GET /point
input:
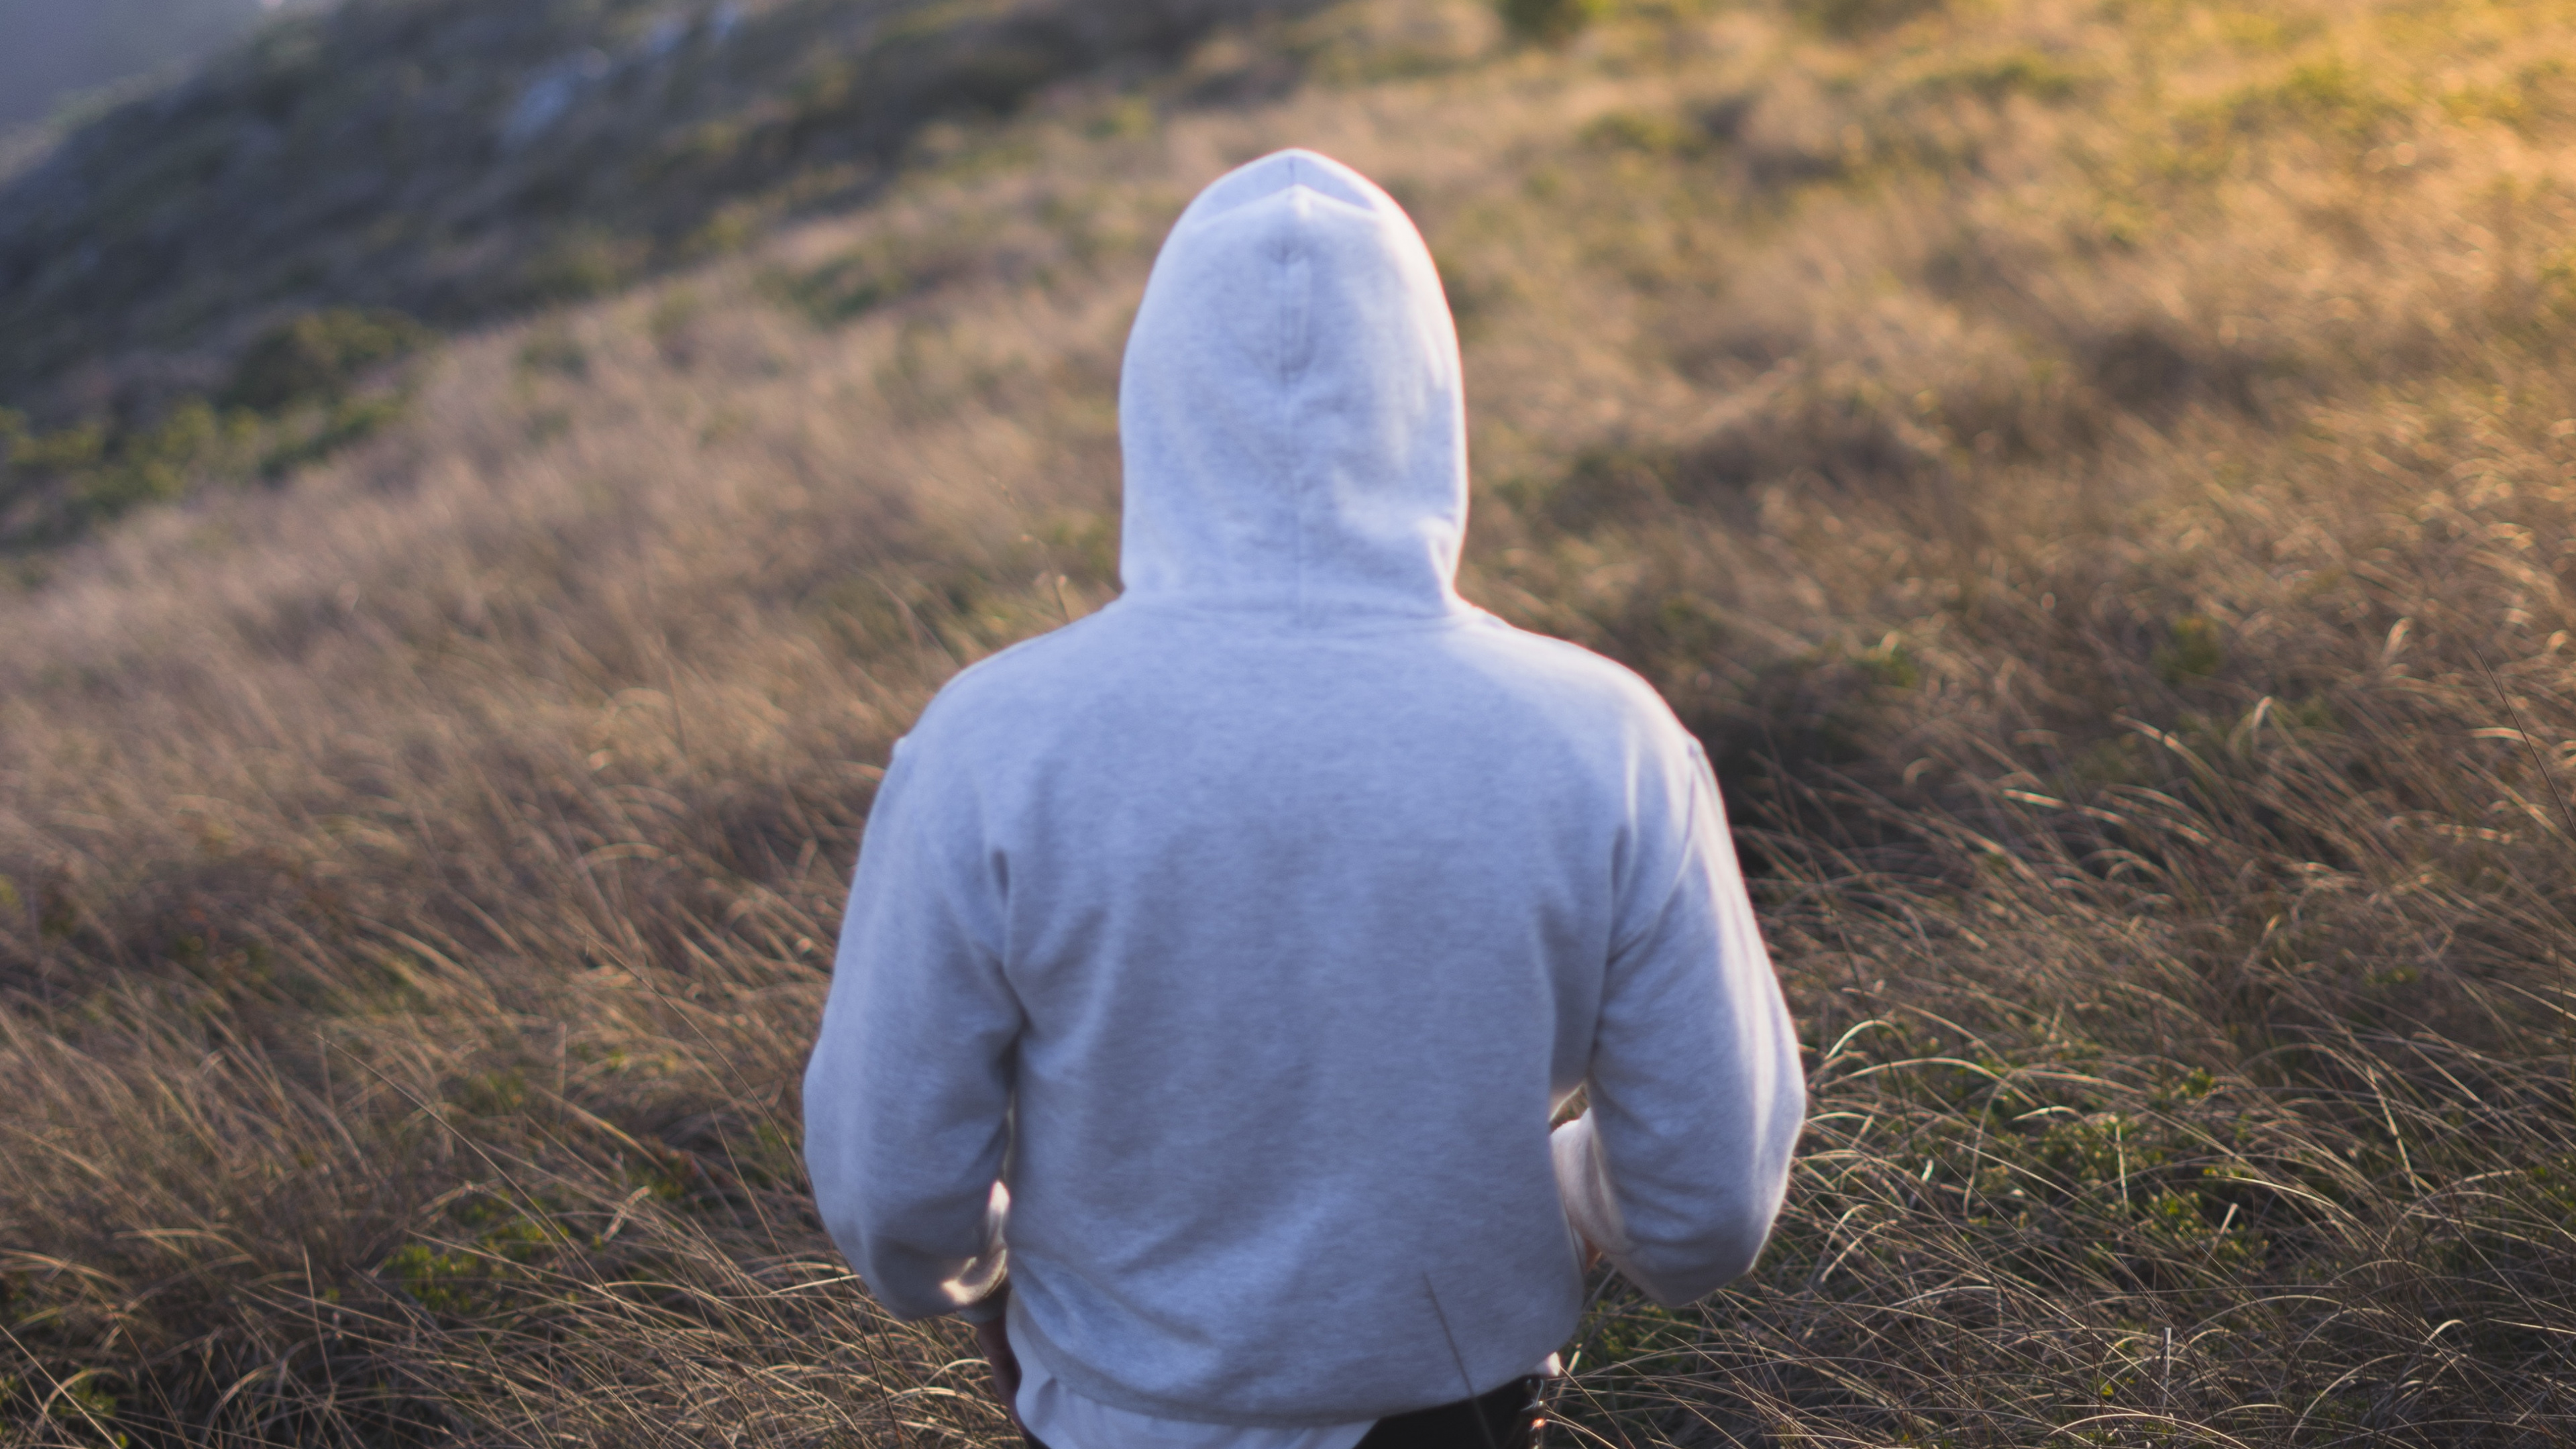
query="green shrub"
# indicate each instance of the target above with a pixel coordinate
(349, 422)
(158, 464)
(857, 281)
(1653, 133)
(90, 472)
(1855, 17)
(1551, 21)
(319, 357)
(78, 446)
(2030, 73)
(580, 266)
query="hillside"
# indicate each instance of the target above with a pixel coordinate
(349, 175)
(457, 159)
(2097, 473)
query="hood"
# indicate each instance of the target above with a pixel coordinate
(1290, 414)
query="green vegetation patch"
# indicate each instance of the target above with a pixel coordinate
(306, 389)
(854, 283)
(1551, 21)
(320, 357)
(2022, 72)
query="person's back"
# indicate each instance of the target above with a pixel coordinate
(1254, 927)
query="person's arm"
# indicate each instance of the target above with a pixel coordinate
(1696, 1093)
(907, 1098)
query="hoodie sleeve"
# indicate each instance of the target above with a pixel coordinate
(1696, 1090)
(907, 1098)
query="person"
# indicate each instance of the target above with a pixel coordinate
(1215, 965)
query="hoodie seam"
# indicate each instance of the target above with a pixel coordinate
(1292, 328)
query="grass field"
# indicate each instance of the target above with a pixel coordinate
(2098, 473)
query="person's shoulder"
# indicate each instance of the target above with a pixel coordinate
(1002, 686)
(1591, 690)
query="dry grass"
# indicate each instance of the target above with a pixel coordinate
(2100, 476)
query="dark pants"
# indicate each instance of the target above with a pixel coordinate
(1502, 1419)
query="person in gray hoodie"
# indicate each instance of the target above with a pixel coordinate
(1219, 962)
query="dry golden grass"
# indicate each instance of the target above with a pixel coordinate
(2099, 475)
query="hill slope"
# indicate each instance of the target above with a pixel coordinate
(2097, 474)
(318, 195)
(451, 160)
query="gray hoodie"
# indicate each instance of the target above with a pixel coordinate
(1253, 928)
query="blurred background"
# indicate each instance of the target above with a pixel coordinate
(483, 483)
(59, 49)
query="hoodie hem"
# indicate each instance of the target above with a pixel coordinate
(1083, 1381)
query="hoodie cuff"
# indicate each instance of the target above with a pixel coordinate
(1583, 1186)
(984, 1283)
